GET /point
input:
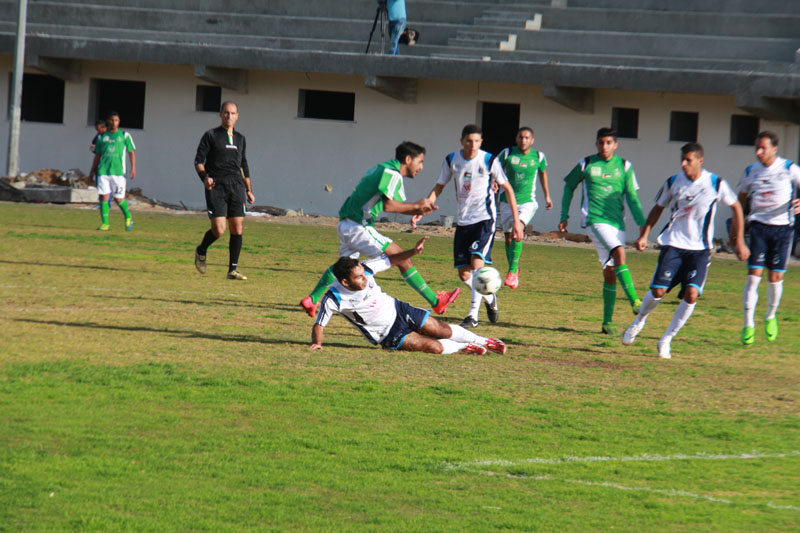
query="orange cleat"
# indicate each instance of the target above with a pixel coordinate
(309, 306)
(443, 299)
(512, 280)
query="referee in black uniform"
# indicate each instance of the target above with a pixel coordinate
(221, 163)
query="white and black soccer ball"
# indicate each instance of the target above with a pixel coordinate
(487, 280)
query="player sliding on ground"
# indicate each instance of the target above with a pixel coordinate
(381, 189)
(384, 320)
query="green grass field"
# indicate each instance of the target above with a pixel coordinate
(138, 395)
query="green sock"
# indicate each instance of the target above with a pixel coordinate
(416, 281)
(625, 279)
(609, 299)
(324, 282)
(124, 206)
(104, 212)
(513, 256)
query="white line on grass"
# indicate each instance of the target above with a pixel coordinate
(666, 492)
(702, 456)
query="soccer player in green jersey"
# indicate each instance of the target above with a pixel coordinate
(522, 166)
(109, 168)
(381, 189)
(607, 179)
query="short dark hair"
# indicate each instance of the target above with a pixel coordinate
(343, 266)
(469, 129)
(112, 114)
(697, 148)
(525, 128)
(771, 135)
(228, 102)
(606, 132)
(100, 121)
(407, 148)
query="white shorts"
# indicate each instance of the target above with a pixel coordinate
(356, 239)
(525, 211)
(113, 185)
(605, 238)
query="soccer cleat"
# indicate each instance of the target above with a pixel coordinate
(496, 345)
(512, 280)
(443, 299)
(128, 224)
(103, 227)
(235, 274)
(771, 328)
(636, 306)
(492, 310)
(608, 329)
(199, 262)
(630, 334)
(309, 306)
(748, 335)
(475, 349)
(469, 322)
(663, 349)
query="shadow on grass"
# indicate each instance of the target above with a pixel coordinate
(63, 265)
(172, 332)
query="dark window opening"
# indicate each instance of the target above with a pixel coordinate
(124, 97)
(328, 105)
(208, 98)
(626, 121)
(744, 129)
(499, 123)
(42, 98)
(683, 126)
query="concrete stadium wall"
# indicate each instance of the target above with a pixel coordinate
(292, 159)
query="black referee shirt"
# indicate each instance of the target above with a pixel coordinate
(221, 157)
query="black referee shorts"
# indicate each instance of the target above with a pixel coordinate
(226, 199)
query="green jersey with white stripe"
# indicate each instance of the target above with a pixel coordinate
(366, 202)
(604, 185)
(522, 171)
(113, 147)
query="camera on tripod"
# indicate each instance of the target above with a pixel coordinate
(382, 13)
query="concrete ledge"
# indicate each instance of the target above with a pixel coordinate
(59, 195)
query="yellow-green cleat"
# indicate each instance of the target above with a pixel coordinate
(103, 227)
(771, 328)
(748, 335)
(609, 329)
(636, 306)
(128, 224)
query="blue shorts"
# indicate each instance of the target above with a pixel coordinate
(474, 239)
(409, 318)
(770, 246)
(679, 266)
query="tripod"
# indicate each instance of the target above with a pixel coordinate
(382, 14)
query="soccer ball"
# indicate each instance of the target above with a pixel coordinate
(487, 280)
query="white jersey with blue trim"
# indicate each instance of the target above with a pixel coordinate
(693, 205)
(770, 191)
(473, 181)
(371, 310)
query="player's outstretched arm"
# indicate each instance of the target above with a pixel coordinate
(546, 190)
(737, 232)
(423, 207)
(316, 337)
(407, 254)
(644, 231)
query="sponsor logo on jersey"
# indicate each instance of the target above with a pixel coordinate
(515, 160)
(468, 181)
(596, 172)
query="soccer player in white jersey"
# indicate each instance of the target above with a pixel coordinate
(692, 197)
(767, 186)
(384, 320)
(473, 171)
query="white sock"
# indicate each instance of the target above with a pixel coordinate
(460, 334)
(750, 299)
(682, 314)
(774, 293)
(649, 302)
(477, 298)
(449, 346)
